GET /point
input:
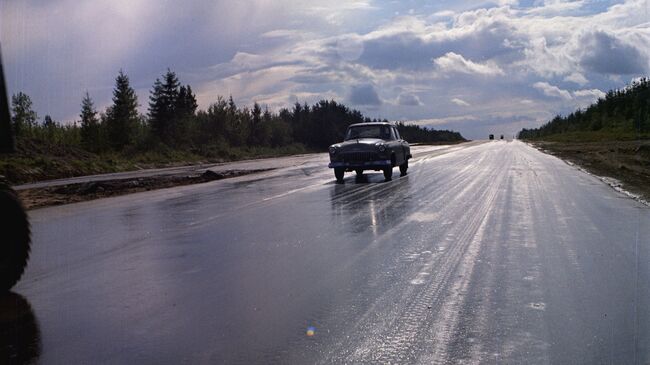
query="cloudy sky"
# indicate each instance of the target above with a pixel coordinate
(478, 67)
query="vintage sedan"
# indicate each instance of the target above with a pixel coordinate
(370, 146)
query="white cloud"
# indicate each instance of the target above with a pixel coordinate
(592, 94)
(455, 63)
(338, 11)
(445, 120)
(552, 91)
(444, 14)
(408, 99)
(282, 33)
(460, 102)
(577, 78)
(557, 7)
(507, 2)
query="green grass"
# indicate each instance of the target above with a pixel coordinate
(36, 162)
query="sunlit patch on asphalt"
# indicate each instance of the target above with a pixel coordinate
(419, 279)
(311, 331)
(424, 217)
(538, 306)
(411, 256)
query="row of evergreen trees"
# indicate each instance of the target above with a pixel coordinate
(174, 121)
(415, 133)
(622, 111)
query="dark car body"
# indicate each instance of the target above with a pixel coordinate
(370, 146)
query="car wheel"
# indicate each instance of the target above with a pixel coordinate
(388, 173)
(14, 249)
(20, 338)
(359, 172)
(403, 167)
(339, 172)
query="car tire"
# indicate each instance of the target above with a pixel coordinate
(14, 249)
(20, 338)
(359, 172)
(403, 168)
(388, 173)
(339, 173)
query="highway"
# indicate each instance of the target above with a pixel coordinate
(487, 252)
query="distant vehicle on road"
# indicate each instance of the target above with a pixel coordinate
(502, 136)
(491, 136)
(370, 146)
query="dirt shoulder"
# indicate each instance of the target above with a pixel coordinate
(628, 162)
(77, 192)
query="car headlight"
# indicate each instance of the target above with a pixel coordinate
(332, 150)
(381, 147)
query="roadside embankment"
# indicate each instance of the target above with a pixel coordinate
(625, 164)
(39, 197)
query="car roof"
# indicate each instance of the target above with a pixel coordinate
(373, 123)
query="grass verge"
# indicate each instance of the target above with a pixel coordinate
(627, 161)
(36, 161)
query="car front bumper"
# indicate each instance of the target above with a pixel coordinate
(367, 165)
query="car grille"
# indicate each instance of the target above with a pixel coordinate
(360, 156)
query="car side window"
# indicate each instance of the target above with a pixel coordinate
(396, 133)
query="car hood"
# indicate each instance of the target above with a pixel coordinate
(361, 143)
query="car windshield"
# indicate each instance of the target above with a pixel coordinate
(370, 131)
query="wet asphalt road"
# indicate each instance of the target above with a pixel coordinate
(483, 253)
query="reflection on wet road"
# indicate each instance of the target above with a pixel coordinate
(487, 252)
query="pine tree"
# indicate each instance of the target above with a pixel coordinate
(216, 119)
(90, 132)
(233, 125)
(122, 116)
(163, 108)
(48, 123)
(49, 127)
(186, 104)
(23, 117)
(255, 137)
(157, 110)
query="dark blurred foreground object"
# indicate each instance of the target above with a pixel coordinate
(14, 238)
(14, 226)
(20, 339)
(7, 144)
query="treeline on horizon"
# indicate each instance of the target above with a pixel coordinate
(173, 121)
(620, 112)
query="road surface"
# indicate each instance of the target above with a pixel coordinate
(484, 253)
